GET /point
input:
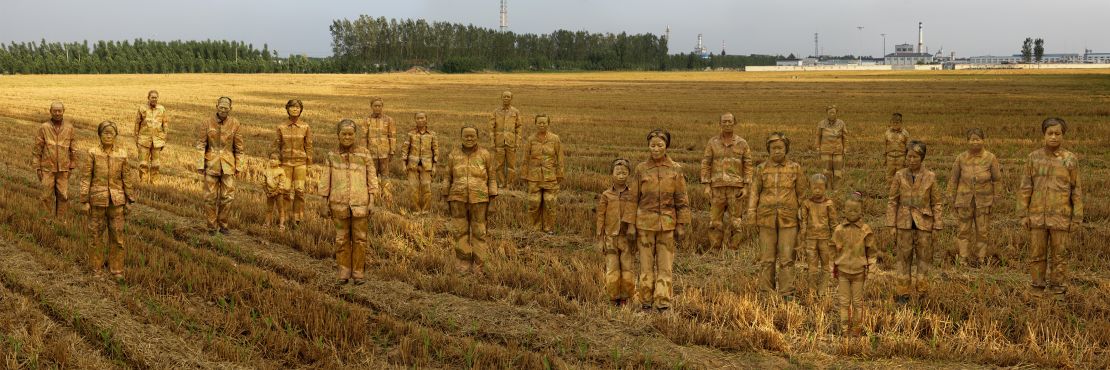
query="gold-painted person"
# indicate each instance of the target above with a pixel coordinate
(151, 126)
(107, 194)
(53, 156)
(471, 187)
(349, 186)
(662, 218)
(544, 170)
(778, 187)
(294, 144)
(726, 172)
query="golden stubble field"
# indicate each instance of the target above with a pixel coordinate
(260, 298)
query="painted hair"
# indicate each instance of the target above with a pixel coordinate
(1053, 121)
(106, 125)
(662, 134)
(345, 123)
(918, 147)
(975, 131)
(294, 102)
(620, 162)
(778, 136)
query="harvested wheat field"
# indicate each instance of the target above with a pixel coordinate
(260, 298)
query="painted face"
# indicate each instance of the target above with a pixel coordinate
(817, 188)
(975, 143)
(853, 210)
(347, 136)
(376, 107)
(1054, 136)
(57, 112)
(152, 99)
(469, 137)
(728, 123)
(108, 136)
(831, 114)
(541, 124)
(620, 174)
(778, 151)
(896, 122)
(421, 121)
(274, 162)
(294, 111)
(658, 148)
(913, 160)
(223, 108)
(506, 98)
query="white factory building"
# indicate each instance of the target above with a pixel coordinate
(1017, 58)
(905, 55)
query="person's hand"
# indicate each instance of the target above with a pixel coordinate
(127, 209)
(85, 207)
(893, 233)
(708, 191)
(743, 192)
(835, 272)
(680, 232)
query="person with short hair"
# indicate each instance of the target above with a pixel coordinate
(544, 169)
(662, 219)
(107, 194)
(471, 187)
(222, 147)
(854, 254)
(53, 156)
(420, 155)
(913, 213)
(616, 233)
(973, 186)
(349, 185)
(151, 126)
(293, 143)
(778, 187)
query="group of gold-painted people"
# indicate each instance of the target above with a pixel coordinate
(646, 205)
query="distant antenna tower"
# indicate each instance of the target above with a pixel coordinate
(668, 34)
(816, 48)
(504, 15)
(722, 47)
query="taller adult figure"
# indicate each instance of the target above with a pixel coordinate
(222, 146)
(53, 156)
(505, 130)
(381, 136)
(543, 169)
(294, 144)
(778, 187)
(662, 219)
(420, 155)
(151, 125)
(726, 172)
(832, 143)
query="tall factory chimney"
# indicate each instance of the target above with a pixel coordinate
(920, 38)
(504, 15)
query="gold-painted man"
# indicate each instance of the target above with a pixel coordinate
(832, 143)
(778, 187)
(53, 156)
(894, 146)
(1050, 202)
(913, 213)
(350, 184)
(294, 144)
(381, 136)
(973, 186)
(107, 194)
(420, 155)
(505, 132)
(151, 125)
(726, 172)
(662, 219)
(471, 186)
(543, 169)
(222, 147)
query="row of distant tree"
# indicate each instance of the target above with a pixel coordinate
(148, 56)
(1032, 50)
(370, 44)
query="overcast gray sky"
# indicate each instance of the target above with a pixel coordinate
(968, 27)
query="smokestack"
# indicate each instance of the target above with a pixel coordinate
(920, 38)
(504, 15)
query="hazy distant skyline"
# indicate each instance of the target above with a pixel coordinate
(967, 27)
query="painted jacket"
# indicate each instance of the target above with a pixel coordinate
(614, 207)
(914, 201)
(350, 182)
(854, 243)
(421, 150)
(54, 150)
(106, 178)
(726, 163)
(543, 159)
(294, 143)
(469, 176)
(975, 180)
(659, 190)
(222, 147)
(1050, 195)
(777, 193)
(381, 136)
(505, 126)
(151, 125)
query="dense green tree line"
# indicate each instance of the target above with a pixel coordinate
(147, 56)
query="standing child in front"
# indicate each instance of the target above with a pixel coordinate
(278, 188)
(855, 252)
(818, 220)
(616, 232)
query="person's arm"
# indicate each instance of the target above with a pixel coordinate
(892, 195)
(803, 219)
(1076, 196)
(996, 178)
(869, 249)
(373, 188)
(746, 158)
(560, 162)
(844, 138)
(278, 139)
(753, 196)
(36, 151)
(86, 181)
(391, 134)
(405, 149)
(516, 126)
(937, 203)
(237, 148)
(706, 164)
(165, 123)
(954, 180)
(602, 207)
(834, 218)
(308, 145)
(202, 145)
(682, 203)
(491, 177)
(1025, 191)
(138, 125)
(127, 181)
(325, 182)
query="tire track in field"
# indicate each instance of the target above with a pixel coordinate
(27, 331)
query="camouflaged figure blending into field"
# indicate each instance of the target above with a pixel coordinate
(894, 146)
(854, 253)
(818, 219)
(1050, 202)
(972, 188)
(832, 143)
(279, 192)
(778, 187)
(294, 144)
(616, 233)
(505, 131)
(222, 148)
(913, 213)
(726, 172)
(381, 136)
(53, 156)
(420, 154)
(543, 169)
(107, 194)
(350, 184)
(662, 218)
(151, 125)
(471, 186)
